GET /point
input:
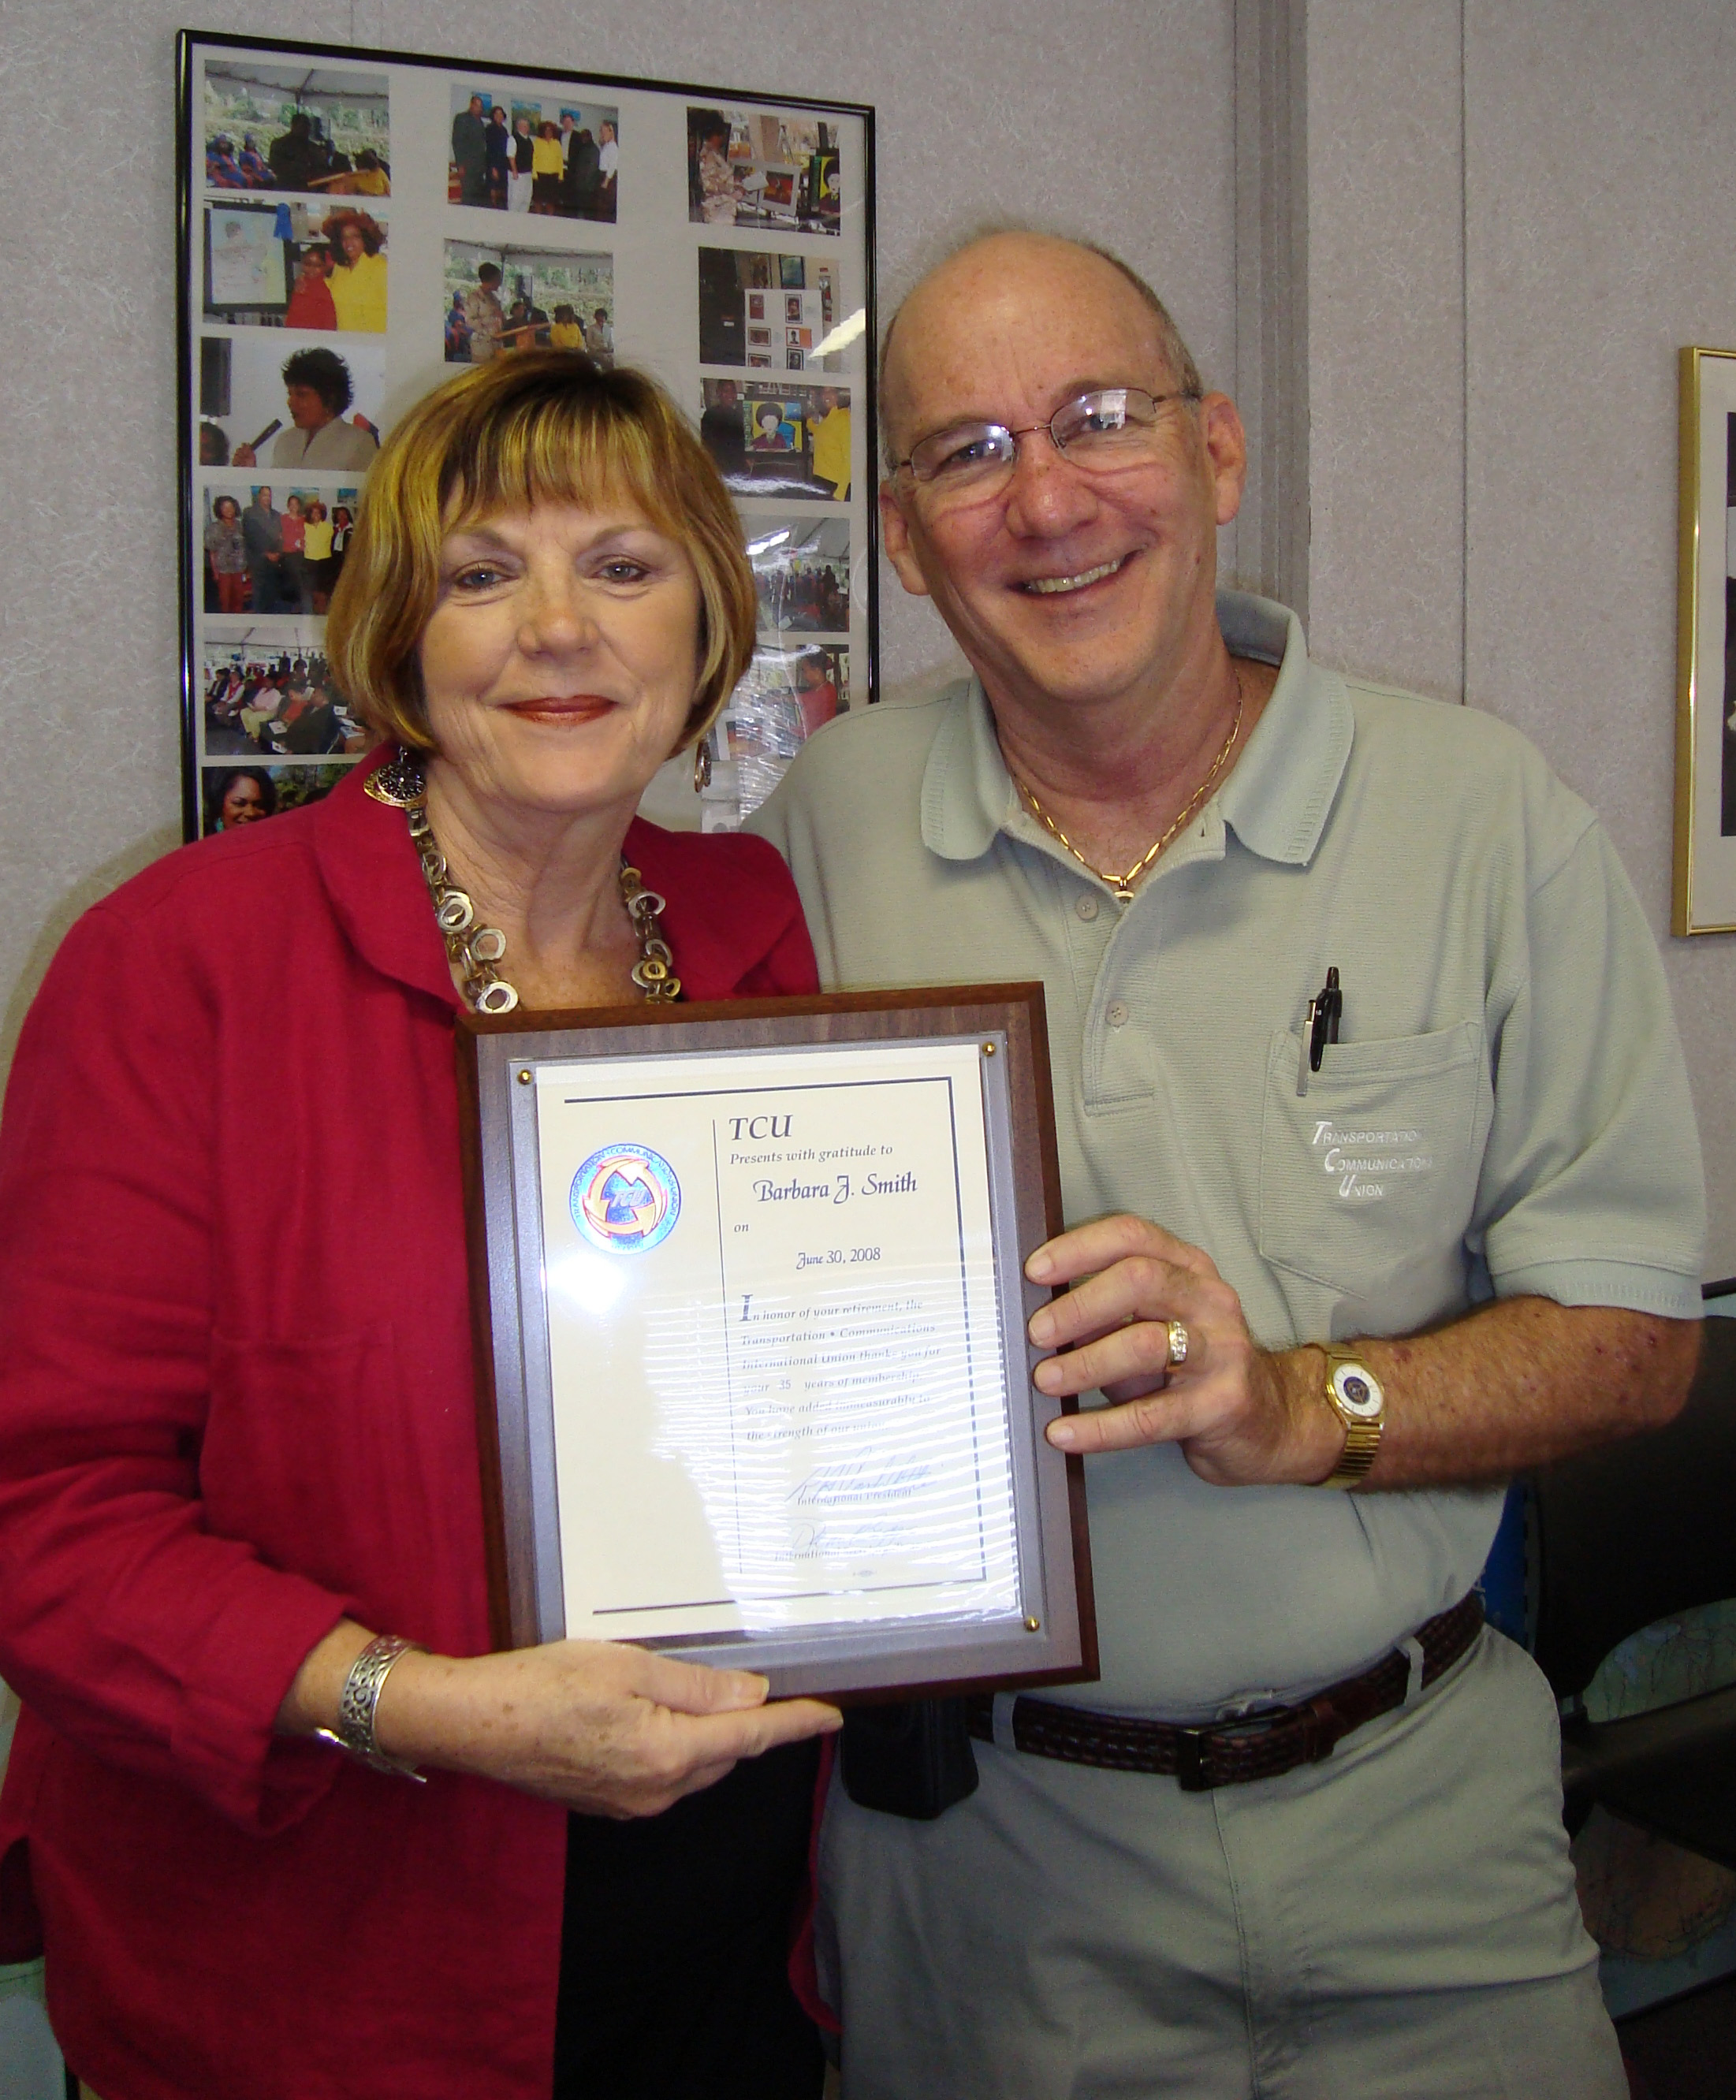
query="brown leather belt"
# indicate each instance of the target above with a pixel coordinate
(1231, 1753)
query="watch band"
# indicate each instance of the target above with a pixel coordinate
(1362, 1431)
(1361, 1442)
(353, 1733)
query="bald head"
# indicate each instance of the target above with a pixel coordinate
(1012, 279)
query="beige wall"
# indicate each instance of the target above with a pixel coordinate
(1518, 210)
(1502, 254)
(1114, 115)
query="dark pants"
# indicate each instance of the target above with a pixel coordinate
(266, 597)
(673, 1952)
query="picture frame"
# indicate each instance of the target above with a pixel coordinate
(749, 1316)
(330, 208)
(1703, 899)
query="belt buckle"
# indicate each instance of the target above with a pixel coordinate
(1190, 1774)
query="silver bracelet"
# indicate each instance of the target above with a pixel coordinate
(353, 1733)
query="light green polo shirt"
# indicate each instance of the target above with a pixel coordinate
(1506, 1111)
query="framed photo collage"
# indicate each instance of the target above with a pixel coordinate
(355, 225)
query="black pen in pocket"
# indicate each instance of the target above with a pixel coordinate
(1320, 1028)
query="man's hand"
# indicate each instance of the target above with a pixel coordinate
(244, 456)
(1514, 1384)
(1240, 1414)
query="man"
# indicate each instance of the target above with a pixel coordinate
(578, 182)
(297, 157)
(723, 434)
(317, 388)
(599, 338)
(525, 326)
(469, 153)
(1476, 1179)
(262, 542)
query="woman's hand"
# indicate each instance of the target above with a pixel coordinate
(243, 456)
(606, 1729)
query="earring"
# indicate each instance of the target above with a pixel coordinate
(701, 766)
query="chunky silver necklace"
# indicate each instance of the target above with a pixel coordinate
(402, 784)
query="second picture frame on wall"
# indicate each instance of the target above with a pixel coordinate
(355, 225)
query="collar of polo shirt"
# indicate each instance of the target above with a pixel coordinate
(1275, 801)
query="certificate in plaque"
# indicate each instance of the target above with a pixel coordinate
(750, 1317)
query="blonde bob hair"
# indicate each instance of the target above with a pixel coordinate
(535, 426)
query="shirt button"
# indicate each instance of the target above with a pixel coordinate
(1086, 907)
(1115, 1014)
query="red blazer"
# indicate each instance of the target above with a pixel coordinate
(236, 1403)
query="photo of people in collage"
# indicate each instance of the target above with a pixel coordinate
(293, 270)
(521, 150)
(766, 316)
(499, 299)
(328, 187)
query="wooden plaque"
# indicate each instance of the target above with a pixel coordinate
(753, 1378)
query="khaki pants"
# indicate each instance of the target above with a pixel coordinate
(1400, 1920)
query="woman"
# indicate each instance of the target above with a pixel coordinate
(253, 164)
(566, 332)
(260, 707)
(237, 1427)
(316, 551)
(521, 170)
(242, 795)
(226, 556)
(458, 332)
(311, 304)
(548, 168)
(223, 699)
(297, 590)
(518, 330)
(358, 278)
(369, 178)
(497, 149)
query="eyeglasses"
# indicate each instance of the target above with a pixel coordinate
(1106, 432)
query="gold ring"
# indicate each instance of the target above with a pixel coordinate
(1178, 1343)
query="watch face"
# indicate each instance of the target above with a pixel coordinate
(1357, 1392)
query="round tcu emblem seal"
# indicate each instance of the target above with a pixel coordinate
(626, 1199)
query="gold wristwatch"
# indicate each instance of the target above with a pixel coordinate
(1354, 1395)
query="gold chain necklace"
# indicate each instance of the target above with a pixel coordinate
(1123, 885)
(402, 784)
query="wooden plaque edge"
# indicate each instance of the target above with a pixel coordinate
(482, 1338)
(1019, 1007)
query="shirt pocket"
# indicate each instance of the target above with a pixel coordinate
(1373, 1171)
